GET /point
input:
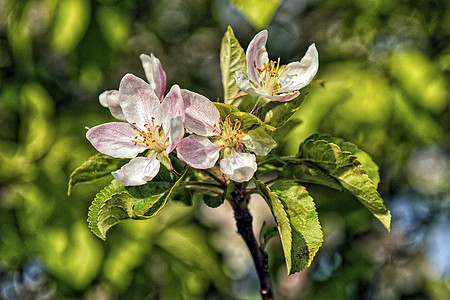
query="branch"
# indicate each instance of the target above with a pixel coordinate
(239, 201)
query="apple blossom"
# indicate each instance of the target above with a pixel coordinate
(215, 137)
(271, 80)
(156, 77)
(151, 125)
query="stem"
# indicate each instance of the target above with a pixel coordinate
(239, 199)
(215, 177)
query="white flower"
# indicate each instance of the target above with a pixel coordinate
(214, 137)
(271, 80)
(151, 125)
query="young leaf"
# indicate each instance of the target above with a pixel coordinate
(95, 167)
(345, 168)
(298, 223)
(363, 157)
(116, 203)
(105, 211)
(278, 113)
(232, 59)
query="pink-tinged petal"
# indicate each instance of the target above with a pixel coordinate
(300, 73)
(171, 107)
(200, 113)
(198, 152)
(115, 139)
(154, 73)
(256, 55)
(138, 171)
(176, 133)
(239, 167)
(110, 99)
(138, 101)
(284, 97)
(246, 86)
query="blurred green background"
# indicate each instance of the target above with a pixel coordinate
(386, 67)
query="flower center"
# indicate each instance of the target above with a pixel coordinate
(269, 75)
(229, 133)
(153, 137)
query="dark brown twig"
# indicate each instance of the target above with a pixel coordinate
(239, 199)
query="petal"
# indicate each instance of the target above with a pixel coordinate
(284, 97)
(200, 113)
(300, 73)
(176, 133)
(138, 101)
(171, 107)
(239, 167)
(258, 142)
(110, 99)
(256, 55)
(154, 73)
(138, 171)
(115, 139)
(198, 152)
(245, 85)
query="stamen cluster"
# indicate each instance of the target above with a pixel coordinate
(269, 75)
(153, 136)
(229, 133)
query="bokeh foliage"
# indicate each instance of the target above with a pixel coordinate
(382, 84)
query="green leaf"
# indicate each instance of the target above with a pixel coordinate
(309, 173)
(346, 169)
(232, 59)
(363, 157)
(116, 203)
(108, 209)
(297, 220)
(259, 13)
(278, 113)
(95, 167)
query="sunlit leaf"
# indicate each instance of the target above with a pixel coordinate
(116, 203)
(94, 168)
(298, 223)
(258, 13)
(365, 159)
(232, 59)
(346, 169)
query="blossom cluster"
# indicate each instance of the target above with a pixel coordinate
(190, 124)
